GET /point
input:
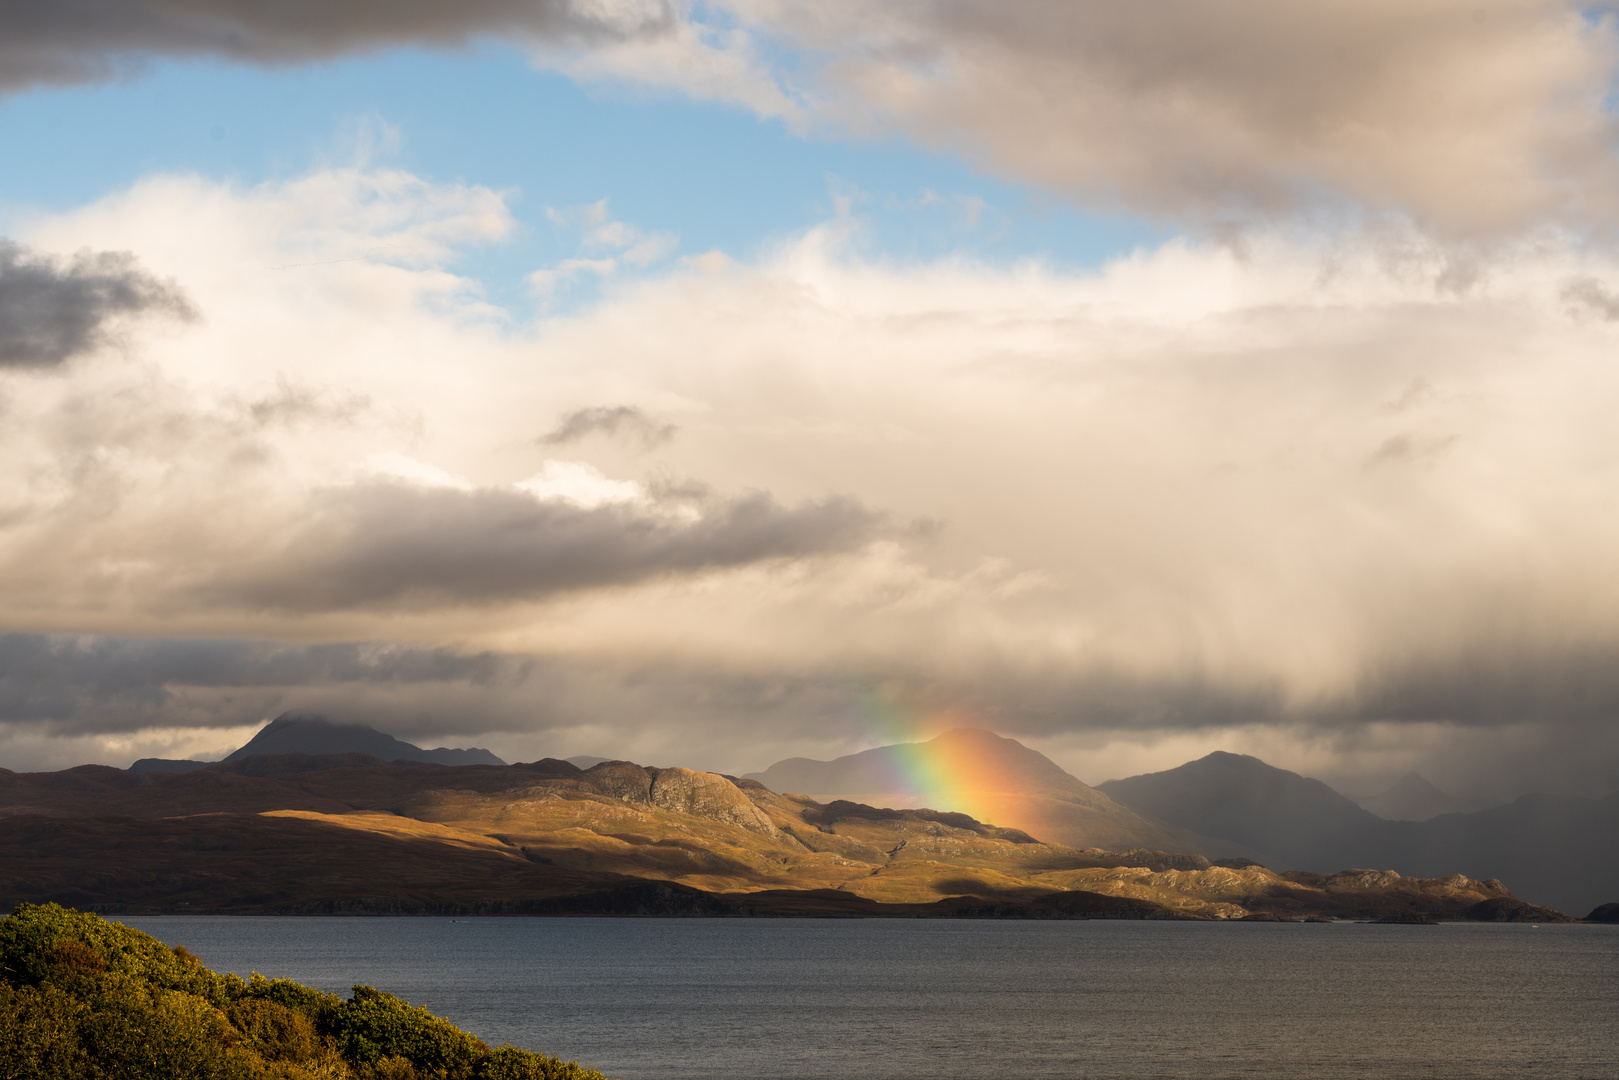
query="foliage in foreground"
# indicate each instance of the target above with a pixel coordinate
(86, 999)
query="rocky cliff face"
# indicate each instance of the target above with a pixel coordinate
(683, 791)
(708, 795)
(620, 780)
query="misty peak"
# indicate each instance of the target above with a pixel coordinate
(1413, 798)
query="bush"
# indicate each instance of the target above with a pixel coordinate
(510, 1063)
(38, 1033)
(372, 1026)
(274, 1031)
(85, 999)
(39, 942)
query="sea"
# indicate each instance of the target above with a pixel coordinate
(888, 999)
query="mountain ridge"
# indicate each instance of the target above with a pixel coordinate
(349, 834)
(297, 732)
(1552, 847)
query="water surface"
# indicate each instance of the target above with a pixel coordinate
(813, 999)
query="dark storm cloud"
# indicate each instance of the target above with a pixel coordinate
(391, 544)
(625, 421)
(52, 310)
(100, 684)
(1473, 686)
(1491, 685)
(48, 41)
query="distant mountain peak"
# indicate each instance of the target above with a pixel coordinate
(300, 732)
(1241, 798)
(1413, 797)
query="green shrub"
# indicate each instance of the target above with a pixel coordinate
(39, 942)
(136, 1032)
(510, 1063)
(372, 1025)
(317, 1005)
(85, 999)
(38, 1034)
(274, 1031)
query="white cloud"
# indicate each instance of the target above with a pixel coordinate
(1319, 476)
(597, 231)
(579, 483)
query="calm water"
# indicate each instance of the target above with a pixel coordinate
(661, 999)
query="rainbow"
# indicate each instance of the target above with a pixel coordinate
(925, 760)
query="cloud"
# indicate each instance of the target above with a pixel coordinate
(395, 544)
(1481, 120)
(626, 421)
(1591, 295)
(43, 42)
(1315, 487)
(1472, 119)
(102, 683)
(721, 59)
(597, 233)
(70, 699)
(52, 310)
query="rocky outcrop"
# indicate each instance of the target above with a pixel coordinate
(1606, 913)
(1362, 880)
(1155, 860)
(708, 795)
(621, 780)
(684, 791)
(843, 810)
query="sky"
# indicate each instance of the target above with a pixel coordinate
(708, 383)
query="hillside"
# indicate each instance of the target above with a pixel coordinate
(1554, 850)
(83, 998)
(994, 778)
(300, 834)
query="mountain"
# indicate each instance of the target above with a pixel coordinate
(306, 733)
(1413, 798)
(994, 779)
(1553, 850)
(1295, 822)
(349, 834)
